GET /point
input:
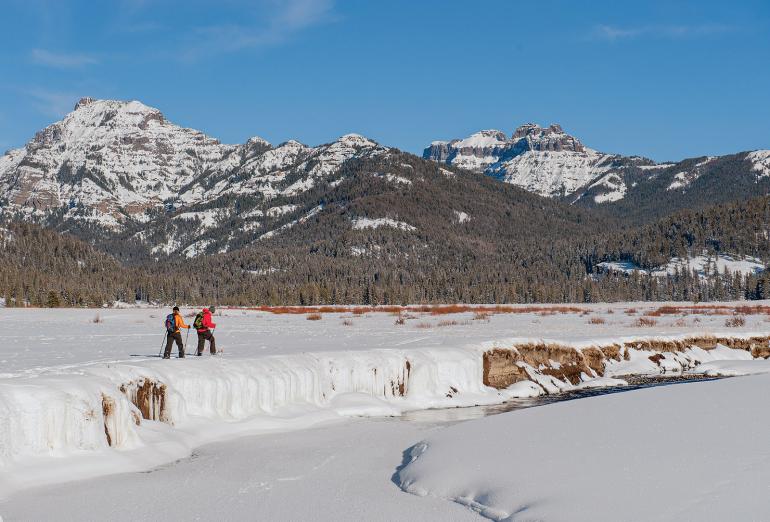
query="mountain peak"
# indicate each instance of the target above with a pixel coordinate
(82, 102)
(532, 136)
(545, 160)
(483, 139)
(257, 141)
(92, 104)
(356, 140)
(533, 129)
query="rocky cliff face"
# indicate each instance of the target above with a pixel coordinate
(544, 160)
(533, 137)
(552, 163)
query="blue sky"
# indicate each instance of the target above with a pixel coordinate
(662, 79)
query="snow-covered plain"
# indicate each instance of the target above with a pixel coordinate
(83, 398)
(688, 452)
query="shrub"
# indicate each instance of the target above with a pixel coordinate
(596, 320)
(347, 322)
(644, 322)
(400, 320)
(481, 316)
(631, 311)
(314, 317)
(97, 319)
(447, 323)
(423, 325)
(735, 322)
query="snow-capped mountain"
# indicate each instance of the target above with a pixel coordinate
(546, 161)
(119, 174)
(119, 166)
(106, 161)
(552, 163)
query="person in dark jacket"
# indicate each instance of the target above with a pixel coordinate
(175, 334)
(204, 332)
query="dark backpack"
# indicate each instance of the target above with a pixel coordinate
(170, 323)
(198, 323)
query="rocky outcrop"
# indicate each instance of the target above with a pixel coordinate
(531, 136)
(544, 160)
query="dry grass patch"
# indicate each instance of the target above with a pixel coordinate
(644, 322)
(656, 358)
(484, 316)
(347, 322)
(597, 320)
(709, 310)
(314, 317)
(433, 309)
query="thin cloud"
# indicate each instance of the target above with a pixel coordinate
(285, 18)
(62, 60)
(53, 103)
(613, 33)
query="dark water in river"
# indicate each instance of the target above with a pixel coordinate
(449, 415)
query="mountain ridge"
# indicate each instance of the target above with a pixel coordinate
(121, 176)
(550, 162)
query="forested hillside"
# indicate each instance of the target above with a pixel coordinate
(330, 262)
(116, 203)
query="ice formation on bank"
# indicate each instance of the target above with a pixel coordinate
(108, 417)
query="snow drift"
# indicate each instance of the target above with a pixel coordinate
(687, 452)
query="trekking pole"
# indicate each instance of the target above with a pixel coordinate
(161, 344)
(186, 339)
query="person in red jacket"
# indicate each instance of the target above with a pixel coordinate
(204, 327)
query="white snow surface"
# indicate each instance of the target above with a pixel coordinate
(615, 188)
(700, 264)
(461, 217)
(551, 173)
(732, 368)
(364, 223)
(683, 452)
(483, 139)
(281, 210)
(277, 373)
(761, 160)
